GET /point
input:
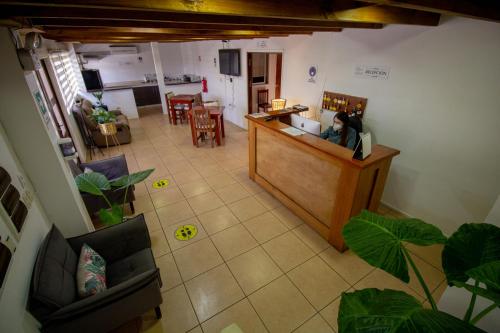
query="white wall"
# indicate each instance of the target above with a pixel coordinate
(439, 105)
(15, 290)
(120, 67)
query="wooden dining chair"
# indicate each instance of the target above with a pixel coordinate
(179, 111)
(278, 104)
(263, 99)
(204, 125)
(198, 101)
(168, 96)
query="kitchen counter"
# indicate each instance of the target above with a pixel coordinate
(137, 84)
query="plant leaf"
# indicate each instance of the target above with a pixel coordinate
(472, 245)
(488, 273)
(111, 216)
(129, 180)
(486, 293)
(93, 183)
(378, 240)
(393, 311)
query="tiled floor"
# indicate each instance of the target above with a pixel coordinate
(253, 262)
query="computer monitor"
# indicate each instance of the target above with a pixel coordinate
(307, 125)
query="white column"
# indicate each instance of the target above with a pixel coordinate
(159, 75)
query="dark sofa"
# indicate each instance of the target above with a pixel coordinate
(133, 280)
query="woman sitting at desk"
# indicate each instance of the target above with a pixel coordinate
(340, 133)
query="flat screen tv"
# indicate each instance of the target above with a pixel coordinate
(92, 79)
(229, 61)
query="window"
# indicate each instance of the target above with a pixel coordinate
(67, 74)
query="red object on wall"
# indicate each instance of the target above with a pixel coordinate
(204, 86)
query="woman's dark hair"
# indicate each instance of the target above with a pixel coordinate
(344, 118)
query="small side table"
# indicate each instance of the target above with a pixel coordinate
(109, 130)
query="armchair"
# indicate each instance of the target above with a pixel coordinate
(133, 280)
(112, 168)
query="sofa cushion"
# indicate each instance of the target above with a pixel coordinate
(128, 267)
(53, 282)
(91, 272)
(87, 107)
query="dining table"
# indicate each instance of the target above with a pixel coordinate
(216, 113)
(186, 99)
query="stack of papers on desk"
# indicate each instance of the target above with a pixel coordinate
(293, 131)
(259, 115)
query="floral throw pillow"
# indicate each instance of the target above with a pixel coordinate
(91, 272)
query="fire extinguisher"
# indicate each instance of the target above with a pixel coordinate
(204, 86)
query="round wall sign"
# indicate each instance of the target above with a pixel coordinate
(313, 71)
(186, 232)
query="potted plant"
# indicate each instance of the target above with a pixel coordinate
(472, 253)
(105, 120)
(97, 184)
(98, 95)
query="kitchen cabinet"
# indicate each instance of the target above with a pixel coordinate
(149, 95)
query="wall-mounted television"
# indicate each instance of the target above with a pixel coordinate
(92, 79)
(229, 62)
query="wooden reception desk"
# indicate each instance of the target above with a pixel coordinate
(318, 180)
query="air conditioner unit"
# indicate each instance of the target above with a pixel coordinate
(123, 49)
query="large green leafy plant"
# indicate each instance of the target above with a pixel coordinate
(472, 253)
(97, 184)
(102, 116)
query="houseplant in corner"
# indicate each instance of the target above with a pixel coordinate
(105, 120)
(472, 253)
(97, 184)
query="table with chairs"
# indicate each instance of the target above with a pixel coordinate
(207, 122)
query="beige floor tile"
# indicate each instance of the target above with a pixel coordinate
(289, 219)
(178, 315)
(174, 213)
(167, 197)
(316, 324)
(220, 180)
(217, 220)
(232, 193)
(157, 172)
(140, 189)
(382, 280)
(347, 264)
(159, 244)
(177, 244)
(186, 177)
(438, 292)
(268, 200)
(179, 166)
(247, 208)
(197, 258)
(311, 238)
(265, 226)
(195, 188)
(197, 329)
(318, 282)
(240, 174)
(152, 221)
(253, 269)
(143, 204)
(281, 306)
(330, 313)
(431, 254)
(432, 276)
(170, 276)
(233, 241)
(205, 202)
(251, 186)
(288, 251)
(213, 291)
(209, 170)
(241, 314)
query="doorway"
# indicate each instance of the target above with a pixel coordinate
(264, 78)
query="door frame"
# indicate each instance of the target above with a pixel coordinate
(279, 74)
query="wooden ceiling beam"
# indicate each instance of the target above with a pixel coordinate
(387, 15)
(215, 11)
(77, 22)
(478, 9)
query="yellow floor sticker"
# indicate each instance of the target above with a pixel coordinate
(160, 183)
(186, 232)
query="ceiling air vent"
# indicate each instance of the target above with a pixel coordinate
(123, 49)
